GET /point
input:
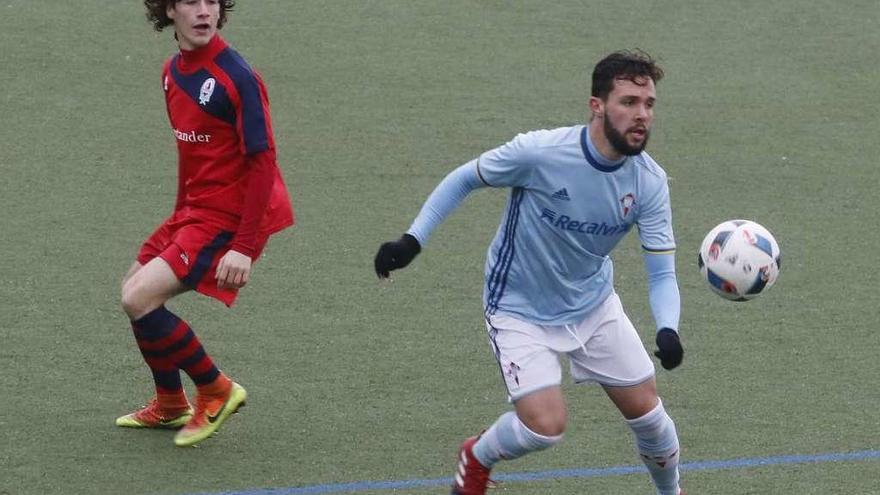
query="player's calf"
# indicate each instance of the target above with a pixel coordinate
(657, 444)
(509, 438)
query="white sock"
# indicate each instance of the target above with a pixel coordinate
(657, 443)
(509, 438)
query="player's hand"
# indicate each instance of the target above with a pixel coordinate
(396, 254)
(669, 349)
(233, 270)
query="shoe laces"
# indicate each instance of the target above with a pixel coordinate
(206, 401)
(150, 410)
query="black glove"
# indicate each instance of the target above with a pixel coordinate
(396, 254)
(669, 349)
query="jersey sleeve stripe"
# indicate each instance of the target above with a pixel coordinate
(480, 174)
(253, 123)
(668, 250)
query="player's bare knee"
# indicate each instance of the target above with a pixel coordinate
(551, 428)
(129, 301)
(544, 435)
(549, 425)
(135, 301)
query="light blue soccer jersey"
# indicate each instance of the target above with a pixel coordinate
(568, 208)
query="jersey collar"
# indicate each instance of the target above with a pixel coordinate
(593, 156)
(194, 59)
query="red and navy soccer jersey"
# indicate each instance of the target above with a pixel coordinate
(219, 114)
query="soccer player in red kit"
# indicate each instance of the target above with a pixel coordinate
(230, 199)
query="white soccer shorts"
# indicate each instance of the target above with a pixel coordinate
(603, 348)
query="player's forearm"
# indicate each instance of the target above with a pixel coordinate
(450, 193)
(663, 293)
(256, 199)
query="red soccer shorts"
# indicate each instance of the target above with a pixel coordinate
(193, 249)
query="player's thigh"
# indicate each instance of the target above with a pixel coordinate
(149, 287)
(635, 401)
(612, 353)
(131, 271)
(526, 362)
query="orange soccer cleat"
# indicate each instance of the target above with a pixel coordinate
(155, 416)
(211, 412)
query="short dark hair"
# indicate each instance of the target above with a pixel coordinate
(156, 12)
(627, 65)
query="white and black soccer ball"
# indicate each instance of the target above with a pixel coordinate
(739, 259)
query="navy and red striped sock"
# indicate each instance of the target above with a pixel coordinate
(149, 332)
(168, 344)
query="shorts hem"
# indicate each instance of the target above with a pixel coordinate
(227, 297)
(513, 398)
(616, 383)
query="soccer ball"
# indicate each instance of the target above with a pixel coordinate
(739, 259)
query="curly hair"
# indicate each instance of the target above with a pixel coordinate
(627, 65)
(156, 12)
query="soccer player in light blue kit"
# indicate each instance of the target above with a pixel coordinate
(575, 192)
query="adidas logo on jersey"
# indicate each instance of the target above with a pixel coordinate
(561, 194)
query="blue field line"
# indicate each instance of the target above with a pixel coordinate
(749, 462)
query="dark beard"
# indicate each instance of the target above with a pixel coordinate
(618, 142)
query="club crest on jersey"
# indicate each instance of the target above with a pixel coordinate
(627, 203)
(206, 91)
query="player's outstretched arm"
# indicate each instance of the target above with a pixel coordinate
(451, 191)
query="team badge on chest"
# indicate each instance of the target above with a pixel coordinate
(627, 202)
(206, 91)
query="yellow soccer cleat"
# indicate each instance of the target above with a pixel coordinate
(153, 416)
(210, 413)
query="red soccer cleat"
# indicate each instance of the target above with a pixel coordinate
(471, 477)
